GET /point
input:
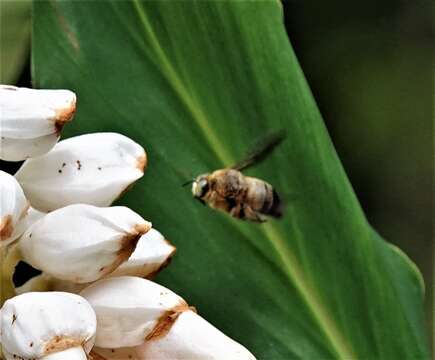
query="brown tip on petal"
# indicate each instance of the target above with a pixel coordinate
(6, 228)
(142, 162)
(166, 321)
(61, 343)
(128, 245)
(64, 115)
(166, 263)
(141, 229)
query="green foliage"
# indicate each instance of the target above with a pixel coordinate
(196, 83)
(14, 38)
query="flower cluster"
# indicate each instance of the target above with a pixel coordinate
(92, 299)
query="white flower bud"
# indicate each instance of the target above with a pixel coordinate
(189, 338)
(13, 208)
(151, 322)
(82, 243)
(129, 309)
(91, 169)
(152, 253)
(31, 120)
(38, 325)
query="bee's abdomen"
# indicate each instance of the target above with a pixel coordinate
(263, 198)
(276, 209)
(272, 203)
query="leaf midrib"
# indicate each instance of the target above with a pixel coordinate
(194, 108)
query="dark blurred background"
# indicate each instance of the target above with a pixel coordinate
(370, 67)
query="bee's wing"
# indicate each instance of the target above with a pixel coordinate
(261, 149)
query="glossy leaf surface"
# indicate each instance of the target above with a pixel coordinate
(196, 83)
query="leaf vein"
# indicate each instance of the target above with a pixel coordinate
(192, 106)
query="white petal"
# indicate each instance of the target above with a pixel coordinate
(13, 208)
(129, 309)
(32, 117)
(190, 338)
(28, 113)
(152, 253)
(36, 324)
(124, 353)
(193, 338)
(92, 169)
(32, 216)
(75, 353)
(82, 243)
(22, 149)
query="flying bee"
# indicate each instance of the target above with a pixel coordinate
(241, 196)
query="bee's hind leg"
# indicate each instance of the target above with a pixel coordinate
(252, 215)
(236, 211)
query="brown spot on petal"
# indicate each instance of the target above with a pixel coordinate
(60, 343)
(128, 245)
(142, 162)
(165, 322)
(14, 318)
(64, 115)
(6, 227)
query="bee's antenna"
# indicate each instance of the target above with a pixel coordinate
(188, 182)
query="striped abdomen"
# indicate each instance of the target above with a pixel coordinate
(262, 197)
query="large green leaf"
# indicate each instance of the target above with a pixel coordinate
(197, 82)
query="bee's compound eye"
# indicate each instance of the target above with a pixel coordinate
(199, 188)
(195, 189)
(203, 184)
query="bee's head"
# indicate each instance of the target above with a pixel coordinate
(200, 186)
